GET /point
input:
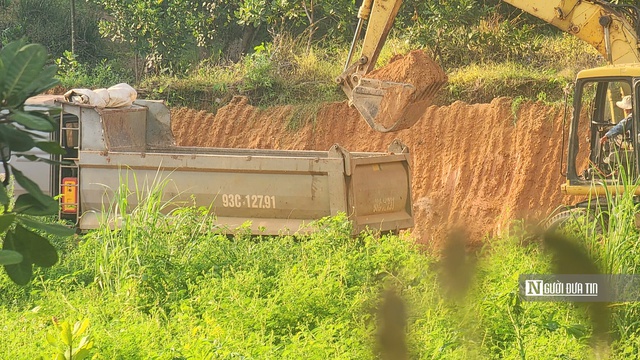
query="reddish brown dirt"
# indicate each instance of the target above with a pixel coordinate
(405, 108)
(475, 166)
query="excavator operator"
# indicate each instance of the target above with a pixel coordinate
(625, 124)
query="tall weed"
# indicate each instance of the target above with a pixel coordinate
(617, 251)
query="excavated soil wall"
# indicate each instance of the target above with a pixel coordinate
(478, 166)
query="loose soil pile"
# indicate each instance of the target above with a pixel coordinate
(404, 108)
(477, 166)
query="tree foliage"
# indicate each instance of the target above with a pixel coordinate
(463, 32)
(162, 31)
(48, 22)
(24, 73)
(166, 32)
(169, 33)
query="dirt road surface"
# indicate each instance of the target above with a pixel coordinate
(477, 166)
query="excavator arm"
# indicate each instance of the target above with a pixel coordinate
(610, 28)
(386, 106)
(390, 106)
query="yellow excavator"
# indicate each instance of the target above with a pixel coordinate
(593, 166)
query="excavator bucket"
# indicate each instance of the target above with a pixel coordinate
(392, 106)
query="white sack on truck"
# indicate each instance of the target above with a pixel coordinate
(119, 95)
(86, 97)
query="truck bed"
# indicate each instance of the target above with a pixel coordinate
(275, 190)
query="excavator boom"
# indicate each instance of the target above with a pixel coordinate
(611, 29)
(391, 106)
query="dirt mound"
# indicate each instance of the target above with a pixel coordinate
(403, 105)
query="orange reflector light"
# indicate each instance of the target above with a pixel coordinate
(69, 192)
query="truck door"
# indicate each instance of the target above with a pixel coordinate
(595, 114)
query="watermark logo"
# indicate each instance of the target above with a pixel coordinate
(558, 288)
(580, 287)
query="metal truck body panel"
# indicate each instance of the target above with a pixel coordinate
(38, 171)
(275, 190)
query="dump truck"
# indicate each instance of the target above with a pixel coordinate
(274, 191)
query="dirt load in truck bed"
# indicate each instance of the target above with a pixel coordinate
(478, 166)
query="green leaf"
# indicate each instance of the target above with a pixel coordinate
(10, 257)
(54, 229)
(49, 115)
(41, 159)
(81, 354)
(44, 82)
(6, 220)
(28, 205)
(577, 330)
(7, 54)
(4, 196)
(31, 187)
(41, 251)
(16, 139)
(19, 273)
(51, 339)
(51, 147)
(79, 328)
(31, 121)
(22, 72)
(65, 333)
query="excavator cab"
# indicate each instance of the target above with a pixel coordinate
(593, 163)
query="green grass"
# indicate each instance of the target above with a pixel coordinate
(611, 238)
(176, 287)
(482, 83)
(195, 294)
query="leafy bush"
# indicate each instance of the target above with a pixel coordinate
(72, 73)
(184, 291)
(23, 73)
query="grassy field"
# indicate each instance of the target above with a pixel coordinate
(177, 288)
(194, 294)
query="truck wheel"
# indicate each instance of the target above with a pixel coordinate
(575, 217)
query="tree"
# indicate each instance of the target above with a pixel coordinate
(47, 22)
(24, 73)
(313, 18)
(164, 31)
